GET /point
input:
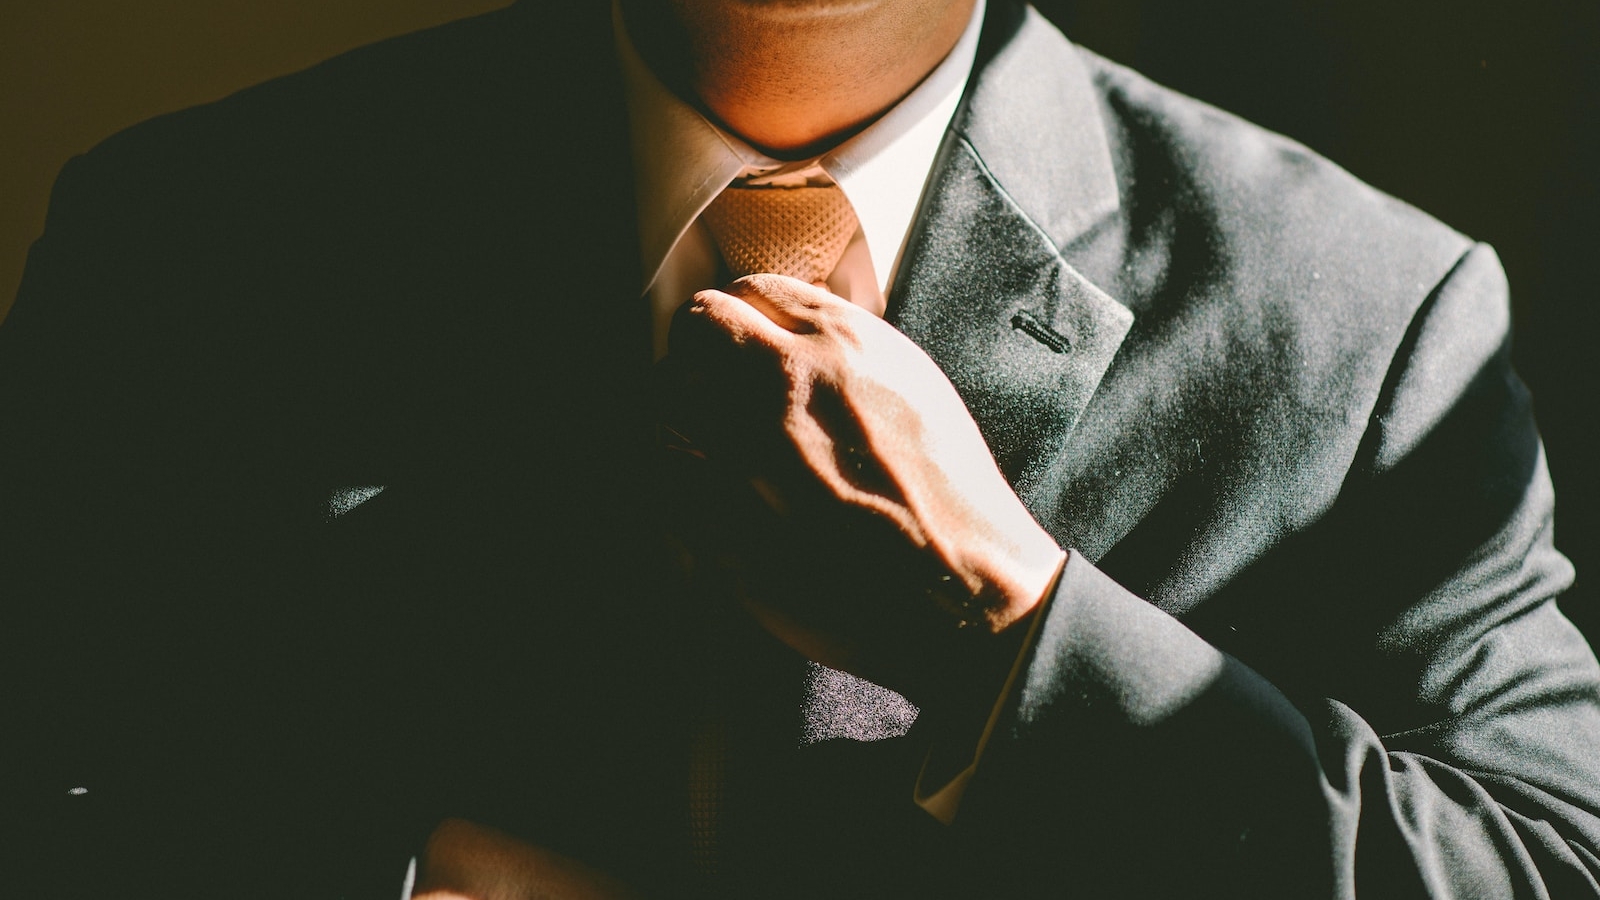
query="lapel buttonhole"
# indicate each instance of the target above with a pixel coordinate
(1034, 327)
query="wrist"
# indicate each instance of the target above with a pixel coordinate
(1029, 585)
(979, 657)
(1012, 580)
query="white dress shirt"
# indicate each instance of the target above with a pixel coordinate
(682, 161)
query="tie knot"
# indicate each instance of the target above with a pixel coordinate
(797, 231)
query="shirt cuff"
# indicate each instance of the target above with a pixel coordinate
(940, 796)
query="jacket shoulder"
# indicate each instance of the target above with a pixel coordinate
(410, 101)
(1271, 212)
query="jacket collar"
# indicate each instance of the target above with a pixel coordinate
(1025, 170)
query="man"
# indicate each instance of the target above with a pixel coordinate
(1184, 488)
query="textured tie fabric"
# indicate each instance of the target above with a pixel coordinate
(708, 761)
(733, 749)
(795, 231)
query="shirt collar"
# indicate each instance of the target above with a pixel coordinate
(682, 161)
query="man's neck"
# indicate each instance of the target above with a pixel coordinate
(794, 77)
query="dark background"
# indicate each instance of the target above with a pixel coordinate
(1482, 112)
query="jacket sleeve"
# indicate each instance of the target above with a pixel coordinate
(1139, 759)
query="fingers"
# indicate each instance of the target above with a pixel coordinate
(464, 859)
(738, 319)
(790, 304)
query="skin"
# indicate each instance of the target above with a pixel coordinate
(794, 77)
(467, 861)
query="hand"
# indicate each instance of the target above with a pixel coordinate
(467, 861)
(852, 497)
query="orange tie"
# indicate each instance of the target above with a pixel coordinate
(795, 231)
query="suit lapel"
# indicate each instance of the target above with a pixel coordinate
(983, 287)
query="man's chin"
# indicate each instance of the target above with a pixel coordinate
(789, 8)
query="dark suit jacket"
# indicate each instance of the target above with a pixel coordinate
(1306, 644)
